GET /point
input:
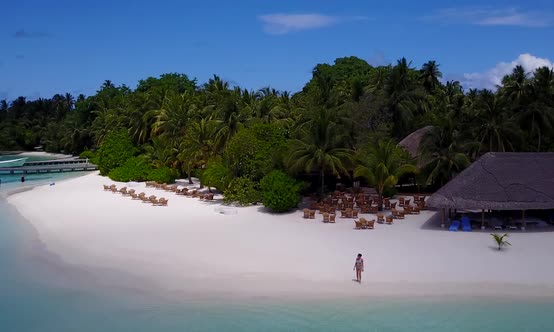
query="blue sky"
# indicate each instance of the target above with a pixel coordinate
(73, 46)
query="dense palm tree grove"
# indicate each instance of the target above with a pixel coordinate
(343, 120)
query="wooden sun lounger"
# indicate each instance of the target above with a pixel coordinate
(401, 201)
(325, 217)
(389, 219)
(332, 218)
(358, 224)
(162, 201)
(312, 214)
(370, 224)
(154, 200)
(306, 213)
(134, 196)
(380, 218)
(114, 189)
(106, 187)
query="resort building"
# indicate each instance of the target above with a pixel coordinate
(499, 189)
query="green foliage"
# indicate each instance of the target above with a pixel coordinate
(162, 175)
(178, 124)
(280, 192)
(90, 155)
(389, 192)
(116, 149)
(255, 151)
(383, 164)
(134, 169)
(500, 240)
(217, 175)
(243, 191)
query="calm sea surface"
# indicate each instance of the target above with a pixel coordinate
(40, 293)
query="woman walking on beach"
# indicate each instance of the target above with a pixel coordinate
(359, 267)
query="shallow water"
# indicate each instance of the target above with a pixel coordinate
(40, 293)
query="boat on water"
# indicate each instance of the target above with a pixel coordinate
(13, 162)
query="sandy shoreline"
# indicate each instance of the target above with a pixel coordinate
(189, 249)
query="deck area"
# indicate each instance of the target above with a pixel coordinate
(49, 166)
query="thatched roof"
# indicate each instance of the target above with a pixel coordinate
(501, 181)
(411, 142)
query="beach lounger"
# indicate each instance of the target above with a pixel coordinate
(162, 201)
(354, 213)
(306, 214)
(387, 203)
(114, 189)
(325, 217)
(358, 224)
(332, 218)
(454, 226)
(312, 214)
(134, 196)
(389, 219)
(466, 224)
(370, 224)
(401, 201)
(380, 218)
(106, 187)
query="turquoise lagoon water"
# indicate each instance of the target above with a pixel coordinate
(38, 292)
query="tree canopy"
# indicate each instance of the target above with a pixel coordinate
(184, 128)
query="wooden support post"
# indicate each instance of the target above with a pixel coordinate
(483, 219)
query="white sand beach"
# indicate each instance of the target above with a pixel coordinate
(189, 247)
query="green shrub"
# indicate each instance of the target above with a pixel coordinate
(134, 169)
(280, 192)
(115, 150)
(243, 191)
(162, 175)
(254, 152)
(90, 155)
(216, 175)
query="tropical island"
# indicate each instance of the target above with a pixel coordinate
(355, 133)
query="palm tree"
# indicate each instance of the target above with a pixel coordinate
(320, 147)
(382, 166)
(497, 130)
(443, 153)
(403, 97)
(172, 119)
(499, 239)
(198, 144)
(538, 117)
(516, 86)
(429, 75)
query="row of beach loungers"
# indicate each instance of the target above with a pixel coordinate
(141, 196)
(184, 191)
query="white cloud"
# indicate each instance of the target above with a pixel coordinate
(493, 17)
(280, 24)
(493, 77)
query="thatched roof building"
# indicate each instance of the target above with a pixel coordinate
(411, 142)
(501, 181)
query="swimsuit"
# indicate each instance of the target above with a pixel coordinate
(359, 263)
